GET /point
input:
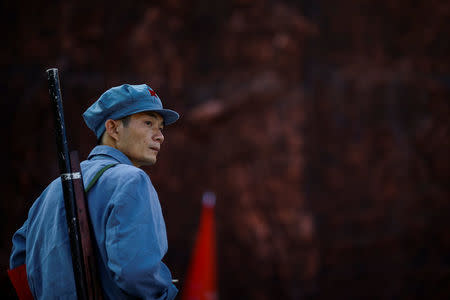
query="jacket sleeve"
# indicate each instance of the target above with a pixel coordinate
(136, 241)
(18, 254)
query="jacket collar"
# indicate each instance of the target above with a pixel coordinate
(103, 150)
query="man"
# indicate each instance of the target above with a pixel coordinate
(126, 216)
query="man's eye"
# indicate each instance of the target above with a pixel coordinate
(148, 123)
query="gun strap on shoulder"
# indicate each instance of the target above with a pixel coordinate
(97, 176)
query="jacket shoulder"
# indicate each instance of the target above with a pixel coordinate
(123, 177)
(127, 172)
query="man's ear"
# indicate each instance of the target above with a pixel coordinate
(112, 128)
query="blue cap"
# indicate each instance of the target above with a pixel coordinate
(124, 100)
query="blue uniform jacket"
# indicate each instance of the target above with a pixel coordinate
(129, 230)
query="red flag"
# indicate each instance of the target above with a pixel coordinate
(201, 276)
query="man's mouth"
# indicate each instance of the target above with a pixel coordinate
(155, 148)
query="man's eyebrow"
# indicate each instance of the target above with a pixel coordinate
(151, 114)
(155, 115)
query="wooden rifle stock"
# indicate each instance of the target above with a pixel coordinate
(94, 288)
(83, 261)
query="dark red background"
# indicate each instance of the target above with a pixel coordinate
(322, 126)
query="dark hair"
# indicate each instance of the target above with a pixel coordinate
(125, 121)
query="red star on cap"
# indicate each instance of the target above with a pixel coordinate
(152, 92)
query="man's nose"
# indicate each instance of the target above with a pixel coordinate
(159, 137)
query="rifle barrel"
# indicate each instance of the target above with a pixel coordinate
(67, 184)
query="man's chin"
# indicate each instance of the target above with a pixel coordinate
(149, 162)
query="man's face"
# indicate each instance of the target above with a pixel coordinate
(140, 140)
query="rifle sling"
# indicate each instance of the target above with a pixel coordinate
(97, 176)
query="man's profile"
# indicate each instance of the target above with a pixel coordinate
(127, 222)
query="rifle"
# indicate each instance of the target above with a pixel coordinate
(80, 234)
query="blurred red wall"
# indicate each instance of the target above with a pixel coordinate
(322, 127)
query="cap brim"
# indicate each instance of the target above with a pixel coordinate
(168, 115)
